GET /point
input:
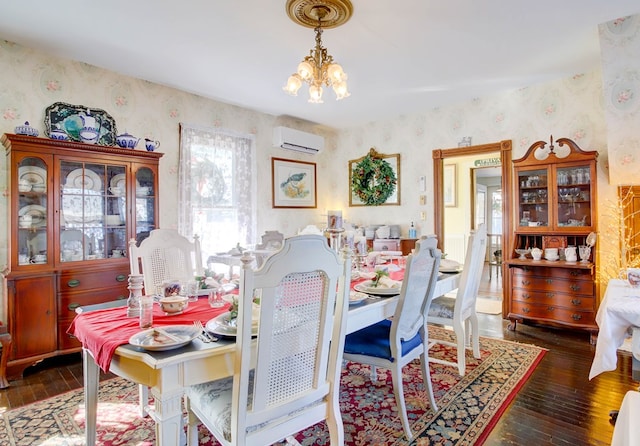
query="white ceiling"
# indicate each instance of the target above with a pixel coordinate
(401, 56)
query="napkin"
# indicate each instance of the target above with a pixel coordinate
(386, 282)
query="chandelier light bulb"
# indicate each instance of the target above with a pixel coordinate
(335, 73)
(293, 85)
(340, 89)
(315, 94)
(305, 70)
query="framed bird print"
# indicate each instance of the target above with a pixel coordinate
(293, 183)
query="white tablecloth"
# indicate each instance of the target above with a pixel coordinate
(626, 432)
(619, 310)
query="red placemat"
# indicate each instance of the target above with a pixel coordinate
(103, 331)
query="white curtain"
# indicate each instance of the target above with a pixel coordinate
(217, 187)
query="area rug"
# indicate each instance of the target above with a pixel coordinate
(468, 407)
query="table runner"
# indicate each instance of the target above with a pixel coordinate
(103, 331)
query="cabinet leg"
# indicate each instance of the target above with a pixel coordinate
(512, 324)
(5, 341)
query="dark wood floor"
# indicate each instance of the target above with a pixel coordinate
(557, 406)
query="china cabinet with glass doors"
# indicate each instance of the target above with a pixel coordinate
(554, 211)
(73, 208)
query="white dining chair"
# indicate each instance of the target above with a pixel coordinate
(164, 255)
(459, 312)
(394, 343)
(288, 377)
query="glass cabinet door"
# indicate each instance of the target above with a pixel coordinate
(92, 211)
(32, 212)
(533, 198)
(145, 203)
(574, 196)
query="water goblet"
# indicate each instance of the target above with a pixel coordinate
(585, 252)
(215, 298)
(191, 290)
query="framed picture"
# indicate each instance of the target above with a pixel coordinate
(363, 175)
(293, 183)
(450, 185)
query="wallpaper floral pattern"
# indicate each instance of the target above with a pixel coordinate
(598, 109)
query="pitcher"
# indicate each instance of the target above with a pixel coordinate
(570, 254)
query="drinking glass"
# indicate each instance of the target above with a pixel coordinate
(215, 298)
(191, 290)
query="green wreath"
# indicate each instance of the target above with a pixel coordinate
(373, 180)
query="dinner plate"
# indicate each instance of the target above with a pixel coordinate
(154, 340)
(365, 287)
(222, 325)
(450, 270)
(121, 181)
(90, 180)
(356, 298)
(38, 214)
(32, 174)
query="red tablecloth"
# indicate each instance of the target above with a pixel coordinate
(103, 331)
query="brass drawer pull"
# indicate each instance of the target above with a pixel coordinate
(526, 295)
(576, 317)
(551, 295)
(121, 278)
(73, 283)
(576, 301)
(549, 281)
(526, 282)
(550, 308)
(73, 306)
(525, 310)
(575, 287)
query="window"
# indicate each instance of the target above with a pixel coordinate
(217, 187)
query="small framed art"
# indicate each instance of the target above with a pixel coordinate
(293, 183)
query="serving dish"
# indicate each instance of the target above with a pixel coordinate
(83, 179)
(32, 175)
(153, 339)
(68, 117)
(38, 214)
(365, 287)
(26, 129)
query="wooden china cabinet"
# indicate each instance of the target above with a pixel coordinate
(554, 206)
(73, 208)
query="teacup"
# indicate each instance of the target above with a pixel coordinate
(116, 253)
(174, 304)
(23, 259)
(40, 258)
(25, 221)
(633, 276)
(39, 187)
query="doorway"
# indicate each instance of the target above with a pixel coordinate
(442, 157)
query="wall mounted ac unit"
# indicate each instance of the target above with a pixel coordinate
(292, 139)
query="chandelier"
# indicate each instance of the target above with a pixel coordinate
(318, 69)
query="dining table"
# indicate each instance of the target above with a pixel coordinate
(168, 373)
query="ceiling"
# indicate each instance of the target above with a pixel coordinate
(401, 56)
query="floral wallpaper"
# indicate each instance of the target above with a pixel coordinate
(596, 109)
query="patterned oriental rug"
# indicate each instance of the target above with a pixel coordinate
(468, 407)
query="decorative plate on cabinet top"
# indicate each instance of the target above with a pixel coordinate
(69, 118)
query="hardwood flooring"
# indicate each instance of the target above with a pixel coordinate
(557, 406)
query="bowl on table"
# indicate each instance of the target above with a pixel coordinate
(174, 304)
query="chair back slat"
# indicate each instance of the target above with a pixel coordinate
(421, 274)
